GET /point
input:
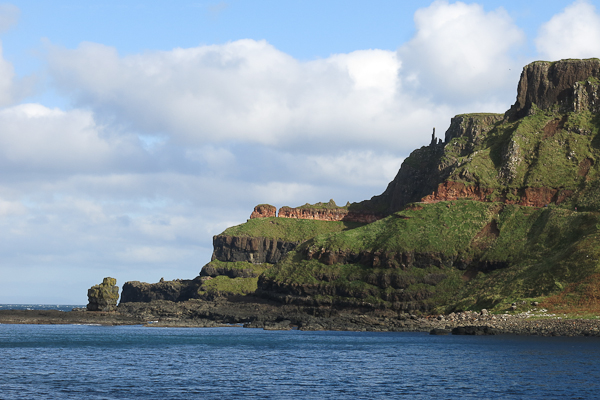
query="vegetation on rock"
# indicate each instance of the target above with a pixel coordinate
(291, 230)
(103, 297)
(505, 211)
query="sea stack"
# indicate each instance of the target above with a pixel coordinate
(103, 297)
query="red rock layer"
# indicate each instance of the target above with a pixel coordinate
(263, 211)
(533, 197)
(328, 214)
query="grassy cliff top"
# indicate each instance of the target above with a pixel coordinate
(480, 114)
(545, 149)
(289, 229)
(441, 227)
(329, 205)
(543, 252)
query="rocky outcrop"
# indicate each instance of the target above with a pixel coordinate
(401, 260)
(257, 250)
(214, 269)
(443, 171)
(177, 290)
(533, 197)
(329, 214)
(564, 83)
(426, 168)
(103, 297)
(419, 175)
(320, 211)
(264, 211)
(471, 126)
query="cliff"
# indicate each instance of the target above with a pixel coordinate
(255, 250)
(539, 152)
(320, 212)
(178, 290)
(103, 297)
(506, 208)
(468, 218)
(566, 85)
(263, 211)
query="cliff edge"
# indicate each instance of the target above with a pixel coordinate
(506, 210)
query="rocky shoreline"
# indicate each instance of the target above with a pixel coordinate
(272, 316)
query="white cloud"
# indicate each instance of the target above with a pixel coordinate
(574, 33)
(248, 91)
(8, 90)
(9, 15)
(352, 168)
(36, 138)
(460, 52)
(8, 207)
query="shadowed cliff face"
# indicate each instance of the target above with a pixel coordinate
(256, 250)
(476, 234)
(541, 151)
(178, 290)
(325, 214)
(549, 84)
(320, 212)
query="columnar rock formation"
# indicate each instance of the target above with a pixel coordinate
(103, 297)
(453, 254)
(177, 290)
(493, 157)
(564, 83)
(328, 214)
(532, 197)
(263, 211)
(256, 250)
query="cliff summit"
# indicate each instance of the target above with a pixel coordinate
(503, 214)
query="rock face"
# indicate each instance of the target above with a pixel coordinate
(103, 297)
(256, 250)
(419, 176)
(329, 214)
(213, 270)
(564, 83)
(532, 197)
(263, 211)
(486, 158)
(428, 167)
(541, 151)
(177, 290)
(402, 260)
(472, 127)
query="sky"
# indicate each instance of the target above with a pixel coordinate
(131, 132)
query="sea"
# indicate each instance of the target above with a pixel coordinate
(136, 362)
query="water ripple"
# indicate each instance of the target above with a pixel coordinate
(74, 362)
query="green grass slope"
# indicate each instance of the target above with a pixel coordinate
(546, 149)
(498, 254)
(288, 229)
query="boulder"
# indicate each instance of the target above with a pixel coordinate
(103, 297)
(474, 330)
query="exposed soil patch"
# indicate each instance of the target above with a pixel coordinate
(469, 274)
(584, 167)
(554, 126)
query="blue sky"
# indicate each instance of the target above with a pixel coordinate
(134, 131)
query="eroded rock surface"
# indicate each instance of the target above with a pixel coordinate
(103, 297)
(257, 250)
(177, 290)
(264, 211)
(564, 83)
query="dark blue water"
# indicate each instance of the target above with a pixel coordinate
(133, 362)
(59, 307)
